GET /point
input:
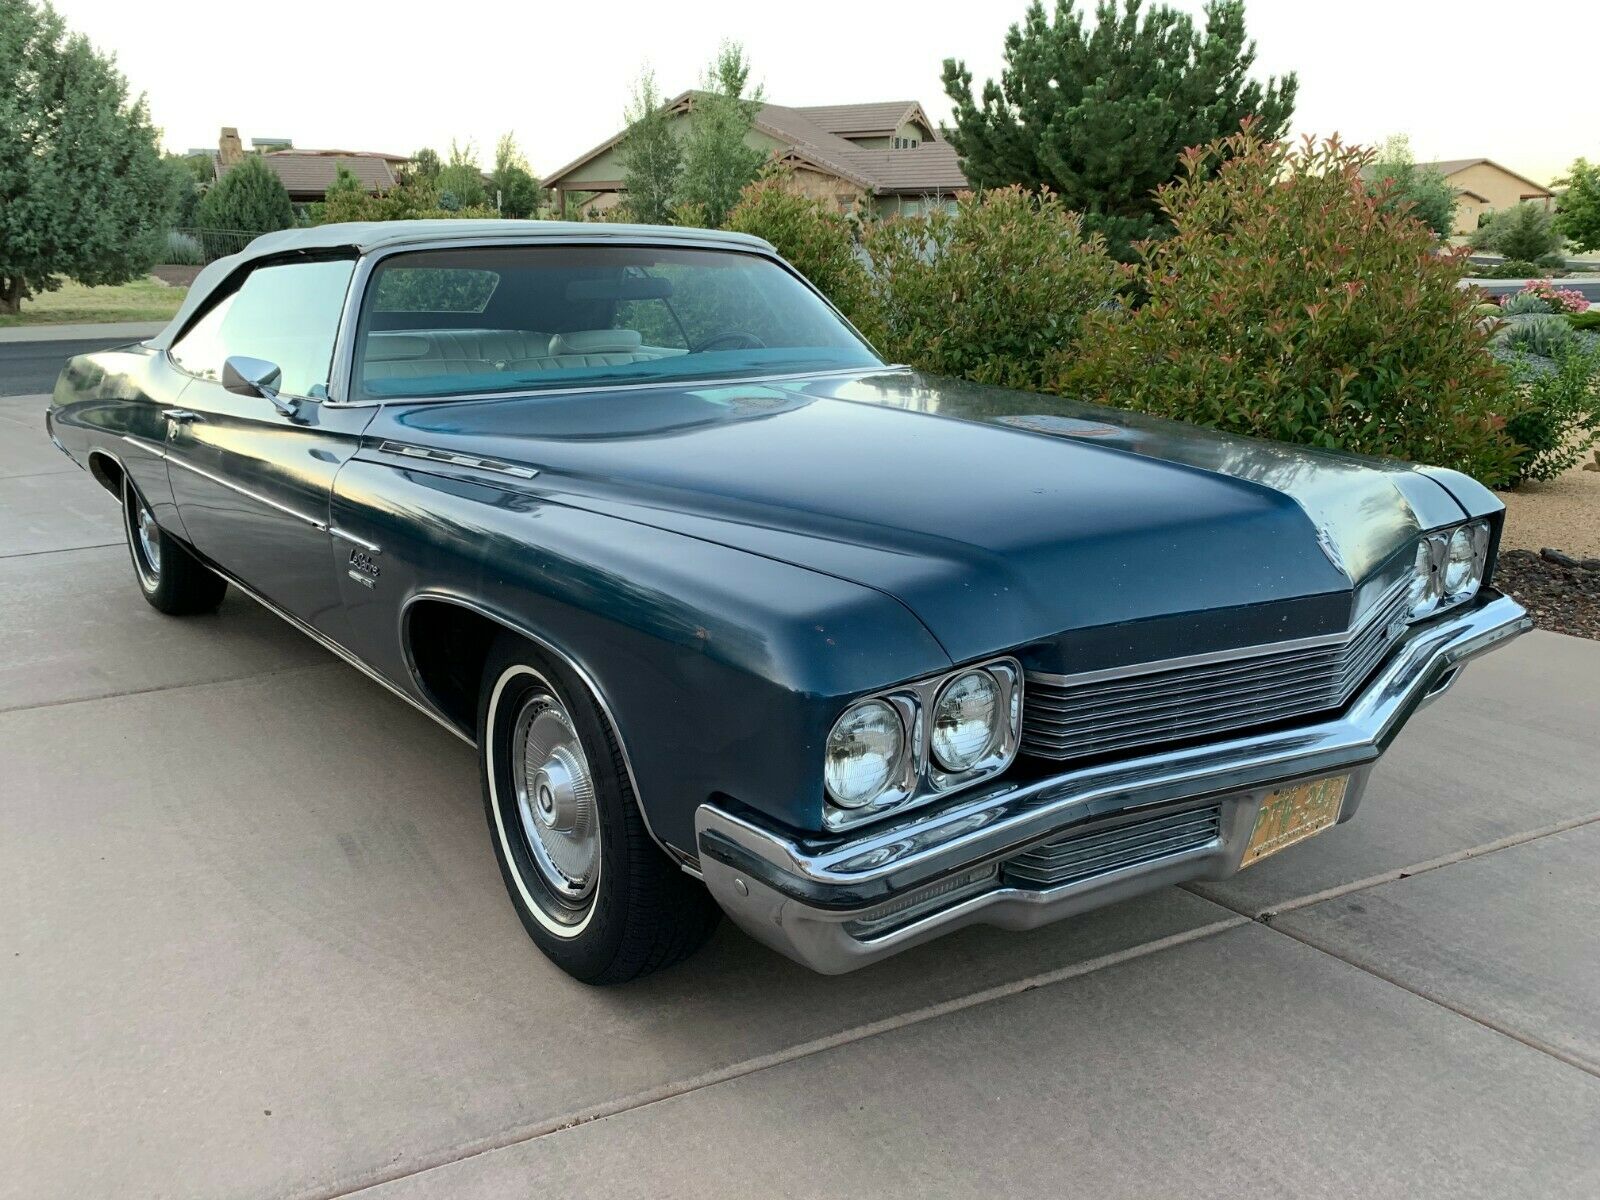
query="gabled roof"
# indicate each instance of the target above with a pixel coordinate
(932, 168)
(1451, 166)
(866, 120)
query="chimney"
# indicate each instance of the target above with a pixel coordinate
(230, 150)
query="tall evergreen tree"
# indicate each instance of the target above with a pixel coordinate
(84, 194)
(250, 198)
(651, 158)
(717, 161)
(1100, 114)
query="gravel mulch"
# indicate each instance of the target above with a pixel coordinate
(1565, 599)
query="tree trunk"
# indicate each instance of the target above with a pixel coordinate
(11, 294)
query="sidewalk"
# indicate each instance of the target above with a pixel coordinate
(132, 331)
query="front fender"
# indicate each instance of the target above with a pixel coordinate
(723, 670)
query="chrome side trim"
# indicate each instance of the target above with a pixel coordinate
(1260, 649)
(796, 891)
(149, 447)
(344, 535)
(248, 494)
(684, 859)
(431, 454)
(327, 643)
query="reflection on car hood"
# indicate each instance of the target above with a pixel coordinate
(998, 517)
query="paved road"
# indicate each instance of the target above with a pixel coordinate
(255, 945)
(1500, 287)
(28, 367)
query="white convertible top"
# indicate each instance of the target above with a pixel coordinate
(366, 236)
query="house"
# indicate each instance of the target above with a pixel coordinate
(881, 158)
(307, 174)
(1482, 186)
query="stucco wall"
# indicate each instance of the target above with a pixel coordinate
(1499, 189)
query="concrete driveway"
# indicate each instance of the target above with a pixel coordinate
(255, 945)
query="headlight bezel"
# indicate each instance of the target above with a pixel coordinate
(1433, 550)
(924, 777)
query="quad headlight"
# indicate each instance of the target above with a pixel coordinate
(865, 752)
(1448, 568)
(922, 739)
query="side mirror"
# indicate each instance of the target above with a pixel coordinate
(244, 376)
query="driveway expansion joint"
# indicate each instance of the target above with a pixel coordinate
(622, 1105)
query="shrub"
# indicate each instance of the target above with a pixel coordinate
(249, 198)
(1568, 300)
(183, 250)
(807, 232)
(1559, 419)
(1586, 320)
(1288, 304)
(1525, 302)
(1544, 334)
(991, 291)
(1515, 269)
(1525, 232)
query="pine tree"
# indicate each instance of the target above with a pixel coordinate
(84, 194)
(1100, 114)
(250, 198)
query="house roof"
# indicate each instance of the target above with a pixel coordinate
(932, 168)
(312, 172)
(865, 120)
(1451, 166)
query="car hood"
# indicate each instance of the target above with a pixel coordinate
(1001, 519)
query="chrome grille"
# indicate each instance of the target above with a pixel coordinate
(1086, 855)
(1154, 705)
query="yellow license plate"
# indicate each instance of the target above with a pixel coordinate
(1293, 814)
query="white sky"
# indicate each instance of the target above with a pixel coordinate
(1463, 78)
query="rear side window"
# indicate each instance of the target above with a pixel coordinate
(287, 314)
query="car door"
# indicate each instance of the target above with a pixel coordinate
(252, 473)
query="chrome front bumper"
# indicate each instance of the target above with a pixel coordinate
(836, 904)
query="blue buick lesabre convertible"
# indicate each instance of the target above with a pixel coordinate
(742, 619)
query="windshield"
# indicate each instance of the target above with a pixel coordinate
(520, 318)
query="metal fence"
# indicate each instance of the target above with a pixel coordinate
(195, 247)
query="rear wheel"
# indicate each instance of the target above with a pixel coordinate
(171, 578)
(592, 888)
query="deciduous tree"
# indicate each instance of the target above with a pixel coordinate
(1399, 183)
(1578, 211)
(651, 157)
(717, 160)
(514, 189)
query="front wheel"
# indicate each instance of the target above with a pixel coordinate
(170, 577)
(593, 890)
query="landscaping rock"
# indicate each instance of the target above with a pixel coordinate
(1565, 599)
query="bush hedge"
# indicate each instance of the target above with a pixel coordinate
(1289, 305)
(993, 291)
(812, 236)
(249, 198)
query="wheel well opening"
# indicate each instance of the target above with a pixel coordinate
(107, 472)
(448, 645)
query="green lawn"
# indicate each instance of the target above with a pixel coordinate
(146, 299)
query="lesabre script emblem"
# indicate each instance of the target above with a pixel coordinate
(360, 561)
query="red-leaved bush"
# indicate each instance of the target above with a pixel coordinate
(1287, 304)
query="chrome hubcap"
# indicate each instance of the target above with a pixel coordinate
(149, 539)
(556, 799)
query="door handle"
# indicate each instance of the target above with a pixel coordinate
(181, 415)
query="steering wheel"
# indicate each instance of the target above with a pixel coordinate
(744, 339)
